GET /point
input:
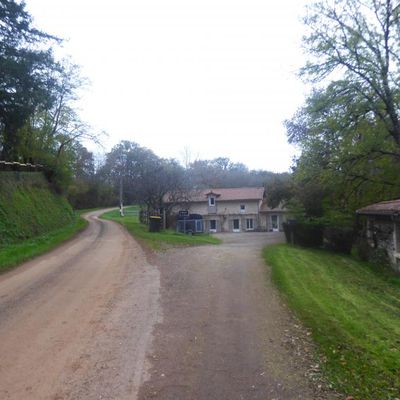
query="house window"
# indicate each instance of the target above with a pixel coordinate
(242, 208)
(213, 225)
(249, 224)
(211, 201)
(236, 225)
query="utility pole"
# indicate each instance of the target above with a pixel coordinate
(121, 193)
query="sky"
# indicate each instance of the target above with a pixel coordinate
(212, 78)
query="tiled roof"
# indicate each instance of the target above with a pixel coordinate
(383, 208)
(226, 194)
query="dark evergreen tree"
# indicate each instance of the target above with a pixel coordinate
(26, 73)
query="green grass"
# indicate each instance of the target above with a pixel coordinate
(157, 240)
(30, 208)
(16, 253)
(353, 312)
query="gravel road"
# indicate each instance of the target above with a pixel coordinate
(226, 333)
(76, 323)
(98, 318)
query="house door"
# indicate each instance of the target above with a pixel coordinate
(199, 225)
(236, 225)
(275, 223)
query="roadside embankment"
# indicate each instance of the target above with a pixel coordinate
(352, 312)
(33, 218)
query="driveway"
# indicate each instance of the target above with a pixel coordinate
(225, 332)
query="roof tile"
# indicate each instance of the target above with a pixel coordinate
(227, 194)
(383, 208)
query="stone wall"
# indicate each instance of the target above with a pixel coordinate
(384, 233)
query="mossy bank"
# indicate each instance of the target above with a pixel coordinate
(28, 207)
(33, 218)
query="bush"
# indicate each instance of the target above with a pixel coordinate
(288, 231)
(306, 234)
(316, 234)
(339, 239)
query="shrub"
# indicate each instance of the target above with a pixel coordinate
(306, 234)
(339, 239)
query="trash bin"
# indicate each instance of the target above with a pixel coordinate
(154, 223)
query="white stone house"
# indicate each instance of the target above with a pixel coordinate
(383, 228)
(231, 209)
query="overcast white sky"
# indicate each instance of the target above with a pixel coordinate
(215, 76)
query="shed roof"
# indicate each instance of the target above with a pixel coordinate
(383, 208)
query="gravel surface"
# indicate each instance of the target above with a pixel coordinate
(226, 333)
(76, 323)
(98, 318)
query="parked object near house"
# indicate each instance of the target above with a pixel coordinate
(155, 223)
(382, 228)
(190, 223)
(230, 209)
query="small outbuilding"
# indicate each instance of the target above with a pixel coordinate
(382, 228)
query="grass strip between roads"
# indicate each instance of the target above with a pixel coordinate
(16, 253)
(156, 240)
(353, 312)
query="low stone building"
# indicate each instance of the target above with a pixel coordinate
(231, 209)
(382, 228)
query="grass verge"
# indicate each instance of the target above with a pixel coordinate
(353, 313)
(16, 253)
(156, 240)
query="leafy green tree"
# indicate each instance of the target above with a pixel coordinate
(88, 189)
(280, 190)
(146, 177)
(52, 135)
(26, 69)
(84, 167)
(349, 129)
(222, 172)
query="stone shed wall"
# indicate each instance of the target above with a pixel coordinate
(384, 233)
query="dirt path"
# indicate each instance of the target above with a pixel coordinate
(225, 333)
(75, 324)
(94, 320)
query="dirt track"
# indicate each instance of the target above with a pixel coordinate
(75, 324)
(95, 320)
(225, 333)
